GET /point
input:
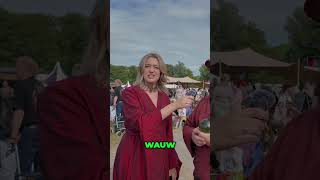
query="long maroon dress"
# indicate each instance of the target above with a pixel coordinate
(143, 122)
(201, 155)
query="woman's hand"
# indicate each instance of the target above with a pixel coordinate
(184, 102)
(196, 138)
(206, 137)
(239, 128)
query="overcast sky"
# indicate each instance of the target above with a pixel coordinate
(269, 15)
(53, 7)
(177, 29)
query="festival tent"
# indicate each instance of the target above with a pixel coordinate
(56, 74)
(171, 86)
(8, 73)
(249, 61)
(246, 59)
(311, 74)
(183, 80)
(42, 77)
(187, 82)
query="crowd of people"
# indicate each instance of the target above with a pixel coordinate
(180, 116)
(283, 104)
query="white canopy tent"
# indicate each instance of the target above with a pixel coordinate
(57, 74)
(186, 80)
(171, 86)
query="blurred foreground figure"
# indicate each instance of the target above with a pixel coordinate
(295, 155)
(74, 132)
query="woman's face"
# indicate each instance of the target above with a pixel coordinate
(151, 73)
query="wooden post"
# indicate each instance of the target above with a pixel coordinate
(298, 72)
(220, 68)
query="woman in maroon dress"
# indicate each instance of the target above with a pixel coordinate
(74, 136)
(197, 144)
(147, 112)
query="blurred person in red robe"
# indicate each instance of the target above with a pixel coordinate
(74, 132)
(228, 131)
(295, 154)
(148, 117)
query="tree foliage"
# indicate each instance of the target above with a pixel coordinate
(129, 73)
(204, 73)
(231, 31)
(304, 36)
(47, 39)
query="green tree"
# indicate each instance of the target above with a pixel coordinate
(231, 32)
(170, 70)
(180, 70)
(133, 71)
(123, 73)
(73, 39)
(279, 52)
(47, 39)
(27, 34)
(204, 73)
(304, 36)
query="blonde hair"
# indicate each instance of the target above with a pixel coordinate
(163, 73)
(96, 58)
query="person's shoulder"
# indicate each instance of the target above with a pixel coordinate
(205, 101)
(131, 90)
(19, 83)
(307, 120)
(84, 80)
(72, 85)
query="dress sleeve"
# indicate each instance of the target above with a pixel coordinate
(147, 123)
(174, 161)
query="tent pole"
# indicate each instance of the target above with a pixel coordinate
(220, 68)
(298, 72)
